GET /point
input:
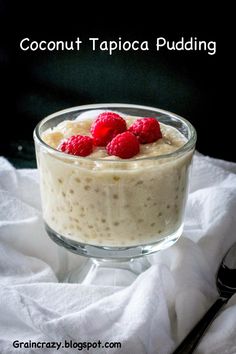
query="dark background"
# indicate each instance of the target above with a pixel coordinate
(193, 84)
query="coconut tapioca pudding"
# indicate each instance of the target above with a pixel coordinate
(114, 178)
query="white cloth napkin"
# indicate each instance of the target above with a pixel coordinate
(150, 316)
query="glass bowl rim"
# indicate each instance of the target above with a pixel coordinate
(186, 147)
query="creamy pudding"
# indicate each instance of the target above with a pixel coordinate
(104, 200)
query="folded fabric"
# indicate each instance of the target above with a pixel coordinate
(153, 314)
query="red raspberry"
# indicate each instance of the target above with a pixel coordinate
(79, 145)
(106, 127)
(147, 130)
(124, 145)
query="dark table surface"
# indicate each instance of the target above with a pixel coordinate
(194, 85)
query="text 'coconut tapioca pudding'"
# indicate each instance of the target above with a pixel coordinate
(113, 179)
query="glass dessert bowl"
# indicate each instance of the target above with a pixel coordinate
(114, 210)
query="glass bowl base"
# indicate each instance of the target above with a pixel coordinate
(97, 271)
(106, 252)
(110, 266)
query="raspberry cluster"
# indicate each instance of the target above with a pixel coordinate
(110, 130)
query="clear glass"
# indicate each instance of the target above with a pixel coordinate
(110, 209)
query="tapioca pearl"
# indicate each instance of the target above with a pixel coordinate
(116, 223)
(116, 178)
(96, 190)
(90, 226)
(154, 204)
(152, 224)
(168, 206)
(126, 206)
(63, 194)
(77, 179)
(78, 227)
(88, 179)
(71, 191)
(176, 209)
(87, 187)
(182, 189)
(60, 180)
(148, 199)
(159, 214)
(140, 221)
(160, 231)
(103, 220)
(139, 183)
(115, 196)
(176, 197)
